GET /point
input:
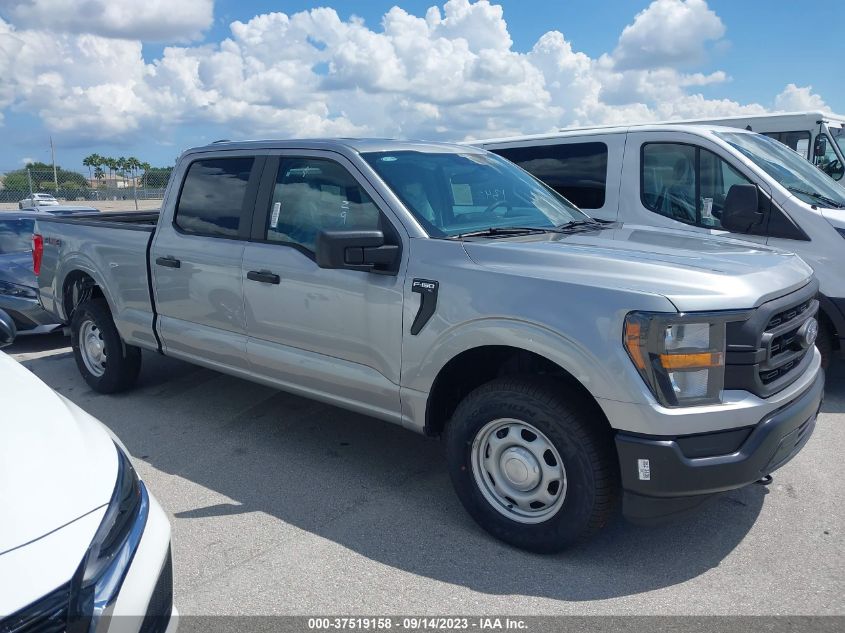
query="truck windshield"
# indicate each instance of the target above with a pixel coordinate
(16, 236)
(787, 167)
(452, 193)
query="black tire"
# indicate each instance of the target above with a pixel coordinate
(123, 362)
(824, 341)
(585, 445)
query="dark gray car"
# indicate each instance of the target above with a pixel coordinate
(18, 289)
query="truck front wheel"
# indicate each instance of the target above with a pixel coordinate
(104, 360)
(533, 467)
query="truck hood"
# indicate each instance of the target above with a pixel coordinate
(16, 268)
(57, 463)
(835, 216)
(695, 272)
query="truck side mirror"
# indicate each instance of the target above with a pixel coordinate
(8, 331)
(357, 250)
(820, 148)
(742, 209)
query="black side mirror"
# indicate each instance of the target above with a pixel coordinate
(8, 331)
(742, 209)
(357, 250)
(820, 148)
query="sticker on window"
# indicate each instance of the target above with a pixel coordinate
(462, 194)
(274, 217)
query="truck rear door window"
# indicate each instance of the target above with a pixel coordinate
(212, 198)
(577, 171)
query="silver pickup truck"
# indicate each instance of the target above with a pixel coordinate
(569, 364)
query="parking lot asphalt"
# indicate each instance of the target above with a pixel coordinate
(281, 505)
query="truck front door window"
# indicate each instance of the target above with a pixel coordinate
(212, 198)
(686, 183)
(313, 194)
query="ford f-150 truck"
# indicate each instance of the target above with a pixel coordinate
(568, 363)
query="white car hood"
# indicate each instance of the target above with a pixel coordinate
(57, 463)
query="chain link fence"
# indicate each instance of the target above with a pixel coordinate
(69, 187)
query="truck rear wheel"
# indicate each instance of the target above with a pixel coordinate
(107, 363)
(532, 467)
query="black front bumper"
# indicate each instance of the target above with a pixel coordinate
(683, 472)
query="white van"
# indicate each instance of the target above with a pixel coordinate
(818, 136)
(706, 179)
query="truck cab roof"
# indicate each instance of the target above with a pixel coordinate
(357, 145)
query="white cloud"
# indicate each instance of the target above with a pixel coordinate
(449, 74)
(150, 21)
(794, 99)
(26, 160)
(668, 33)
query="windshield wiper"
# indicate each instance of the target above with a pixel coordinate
(581, 224)
(566, 227)
(821, 198)
(495, 231)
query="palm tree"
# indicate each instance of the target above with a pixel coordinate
(89, 162)
(146, 167)
(111, 163)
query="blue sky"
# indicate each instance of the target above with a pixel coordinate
(150, 88)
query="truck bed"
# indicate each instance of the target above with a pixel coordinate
(133, 220)
(110, 249)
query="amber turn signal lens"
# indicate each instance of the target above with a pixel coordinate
(632, 343)
(692, 361)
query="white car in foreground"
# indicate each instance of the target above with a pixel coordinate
(38, 200)
(83, 545)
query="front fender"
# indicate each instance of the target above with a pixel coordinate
(602, 367)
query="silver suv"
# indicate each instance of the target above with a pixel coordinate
(568, 363)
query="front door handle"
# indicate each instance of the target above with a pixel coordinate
(264, 276)
(168, 262)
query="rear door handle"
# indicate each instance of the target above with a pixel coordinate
(168, 262)
(264, 276)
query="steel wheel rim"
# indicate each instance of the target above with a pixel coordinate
(92, 347)
(518, 470)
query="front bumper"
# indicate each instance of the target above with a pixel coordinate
(28, 315)
(667, 476)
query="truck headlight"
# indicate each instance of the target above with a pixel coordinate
(98, 579)
(680, 357)
(16, 290)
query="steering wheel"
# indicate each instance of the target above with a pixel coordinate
(495, 205)
(833, 167)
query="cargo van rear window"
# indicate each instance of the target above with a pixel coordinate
(577, 171)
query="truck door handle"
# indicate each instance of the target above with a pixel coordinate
(264, 276)
(168, 262)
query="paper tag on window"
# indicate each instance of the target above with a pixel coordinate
(707, 208)
(274, 217)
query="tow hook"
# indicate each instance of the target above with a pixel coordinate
(765, 481)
